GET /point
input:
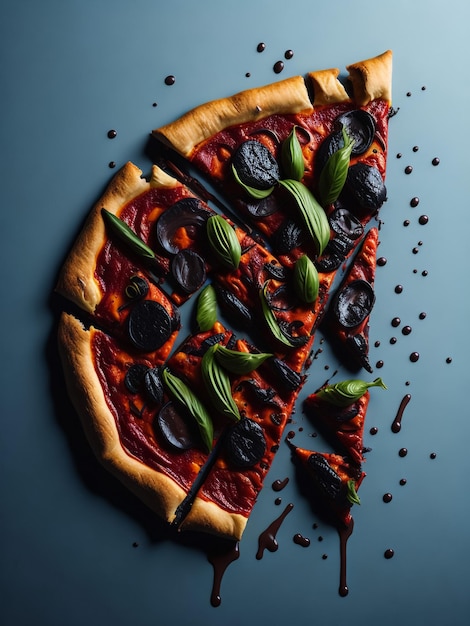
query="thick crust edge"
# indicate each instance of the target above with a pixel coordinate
(155, 489)
(77, 281)
(206, 120)
(372, 79)
(327, 89)
(208, 517)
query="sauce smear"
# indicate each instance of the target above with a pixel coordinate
(220, 561)
(267, 539)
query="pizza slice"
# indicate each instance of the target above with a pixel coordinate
(331, 482)
(347, 320)
(284, 158)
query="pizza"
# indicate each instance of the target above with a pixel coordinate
(190, 418)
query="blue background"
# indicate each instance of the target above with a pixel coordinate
(70, 71)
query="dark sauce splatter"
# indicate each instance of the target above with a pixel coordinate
(406, 330)
(399, 289)
(374, 430)
(381, 261)
(387, 497)
(389, 553)
(402, 452)
(403, 481)
(414, 356)
(436, 161)
(396, 424)
(300, 540)
(261, 47)
(278, 485)
(288, 54)
(423, 219)
(414, 202)
(408, 169)
(267, 540)
(344, 534)
(170, 80)
(396, 321)
(220, 561)
(112, 134)
(278, 67)
(433, 455)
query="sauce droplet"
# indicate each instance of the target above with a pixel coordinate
(408, 169)
(344, 534)
(300, 540)
(112, 134)
(278, 485)
(436, 161)
(402, 452)
(220, 561)
(381, 261)
(261, 47)
(387, 497)
(170, 80)
(396, 322)
(423, 219)
(414, 202)
(288, 54)
(414, 356)
(267, 540)
(388, 554)
(278, 67)
(374, 430)
(432, 455)
(399, 289)
(396, 424)
(402, 481)
(406, 330)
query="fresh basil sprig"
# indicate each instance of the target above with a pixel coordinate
(238, 362)
(306, 280)
(346, 392)
(218, 385)
(334, 173)
(183, 394)
(292, 158)
(351, 494)
(224, 241)
(271, 318)
(127, 235)
(311, 211)
(257, 194)
(206, 310)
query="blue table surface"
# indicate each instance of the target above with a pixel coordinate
(76, 548)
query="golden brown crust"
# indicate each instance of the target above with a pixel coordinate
(157, 490)
(327, 89)
(210, 518)
(372, 79)
(206, 120)
(77, 280)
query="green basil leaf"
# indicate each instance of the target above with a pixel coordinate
(271, 318)
(206, 311)
(224, 242)
(351, 494)
(238, 362)
(306, 280)
(312, 213)
(127, 235)
(257, 194)
(218, 385)
(334, 173)
(346, 392)
(292, 158)
(183, 394)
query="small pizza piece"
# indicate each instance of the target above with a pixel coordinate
(347, 319)
(332, 483)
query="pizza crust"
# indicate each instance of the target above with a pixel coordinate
(372, 79)
(155, 489)
(208, 517)
(289, 96)
(77, 281)
(327, 89)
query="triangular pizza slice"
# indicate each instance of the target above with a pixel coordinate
(347, 319)
(332, 482)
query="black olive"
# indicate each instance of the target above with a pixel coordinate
(233, 308)
(134, 377)
(137, 288)
(345, 224)
(154, 385)
(264, 207)
(353, 303)
(287, 378)
(255, 165)
(245, 443)
(360, 126)
(328, 262)
(265, 395)
(325, 476)
(176, 430)
(149, 325)
(345, 414)
(276, 271)
(189, 270)
(331, 144)
(365, 186)
(287, 237)
(360, 351)
(188, 213)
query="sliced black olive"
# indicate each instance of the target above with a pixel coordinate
(276, 271)
(345, 414)
(365, 186)
(137, 288)
(328, 262)
(281, 299)
(189, 270)
(287, 237)
(287, 378)
(264, 207)
(354, 303)
(134, 378)
(289, 330)
(360, 126)
(331, 144)
(327, 479)
(360, 348)
(268, 132)
(245, 443)
(188, 213)
(265, 395)
(149, 325)
(345, 224)
(176, 430)
(233, 308)
(255, 165)
(154, 385)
